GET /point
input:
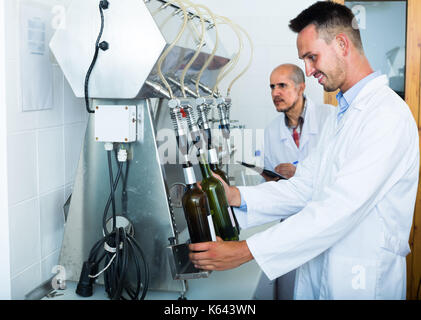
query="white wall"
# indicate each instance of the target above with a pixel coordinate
(43, 148)
(5, 292)
(274, 44)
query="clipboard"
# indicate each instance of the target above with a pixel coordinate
(260, 171)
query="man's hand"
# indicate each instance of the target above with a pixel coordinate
(267, 178)
(219, 255)
(285, 169)
(232, 193)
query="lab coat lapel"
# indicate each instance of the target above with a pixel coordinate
(361, 99)
(310, 126)
(285, 135)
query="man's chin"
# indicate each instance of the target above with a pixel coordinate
(328, 88)
(282, 107)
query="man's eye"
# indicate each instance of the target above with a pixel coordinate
(278, 85)
(312, 58)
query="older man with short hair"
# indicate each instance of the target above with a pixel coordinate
(294, 133)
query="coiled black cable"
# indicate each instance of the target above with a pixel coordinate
(123, 260)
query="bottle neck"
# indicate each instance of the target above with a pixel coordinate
(189, 175)
(213, 156)
(204, 166)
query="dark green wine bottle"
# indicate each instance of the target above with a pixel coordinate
(197, 210)
(218, 202)
(213, 164)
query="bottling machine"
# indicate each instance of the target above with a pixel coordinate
(128, 59)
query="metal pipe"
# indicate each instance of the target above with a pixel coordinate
(156, 87)
(186, 89)
(168, 4)
(205, 88)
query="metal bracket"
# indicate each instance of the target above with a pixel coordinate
(180, 264)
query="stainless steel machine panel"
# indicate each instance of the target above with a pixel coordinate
(147, 207)
(135, 45)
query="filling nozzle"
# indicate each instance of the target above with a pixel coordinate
(177, 119)
(223, 105)
(203, 107)
(192, 124)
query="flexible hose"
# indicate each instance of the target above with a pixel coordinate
(209, 60)
(171, 46)
(249, 63)
(202, 41)
(233, 62)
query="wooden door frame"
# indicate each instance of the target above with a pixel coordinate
(413, 99)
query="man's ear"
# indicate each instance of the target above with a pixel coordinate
(342, 43)
(302, 87)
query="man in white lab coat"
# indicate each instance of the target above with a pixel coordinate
(290, 136)
(350, 203)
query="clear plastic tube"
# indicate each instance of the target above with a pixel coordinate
(233, 62)
(171, 46)
(249, 63)
(212, 16)
(202, 41)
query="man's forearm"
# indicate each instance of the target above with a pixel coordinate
(234, 196)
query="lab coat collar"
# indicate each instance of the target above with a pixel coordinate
(310, 125)
(369, 89)
(360, 101)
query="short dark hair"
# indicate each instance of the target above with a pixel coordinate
(329, 18)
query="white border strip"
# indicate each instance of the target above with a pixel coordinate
(5, 279)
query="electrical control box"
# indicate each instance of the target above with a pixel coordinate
(115, 123)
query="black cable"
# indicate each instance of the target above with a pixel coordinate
(127, 253)
(110, 172)
(119, 254)
(111, 196)
(124, 177)
(102, 5)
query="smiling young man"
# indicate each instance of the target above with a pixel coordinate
(351, 202)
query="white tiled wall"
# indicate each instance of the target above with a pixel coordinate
(5, 291)
(43, 149)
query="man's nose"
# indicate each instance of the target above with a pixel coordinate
(276, 91)
(310, 70)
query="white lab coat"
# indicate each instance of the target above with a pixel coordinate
(350, 205)
(279, 144)
(280, 148)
